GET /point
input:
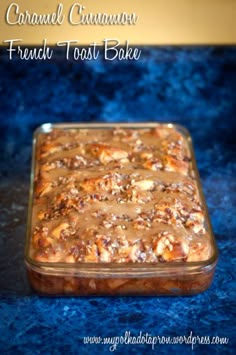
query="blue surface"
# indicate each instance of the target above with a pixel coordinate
(195, 87)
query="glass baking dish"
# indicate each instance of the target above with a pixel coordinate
(179, 277)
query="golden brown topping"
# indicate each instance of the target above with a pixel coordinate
(108, 182)
(170, 248)
(118, 195)
(144, 185)
(153, 164)
(173, 164)
(107, 153)
(59, 230)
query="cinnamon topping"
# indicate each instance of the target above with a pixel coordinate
(116, 195)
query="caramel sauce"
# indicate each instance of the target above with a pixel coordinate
(116, 195)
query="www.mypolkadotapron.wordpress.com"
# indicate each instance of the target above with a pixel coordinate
(154, 340)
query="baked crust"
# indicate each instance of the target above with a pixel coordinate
(116, 195)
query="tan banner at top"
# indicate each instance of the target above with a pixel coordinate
(150, 22)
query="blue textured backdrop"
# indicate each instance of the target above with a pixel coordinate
(192, 86)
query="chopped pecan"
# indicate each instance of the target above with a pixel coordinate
(141, 223)
(137, 196)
